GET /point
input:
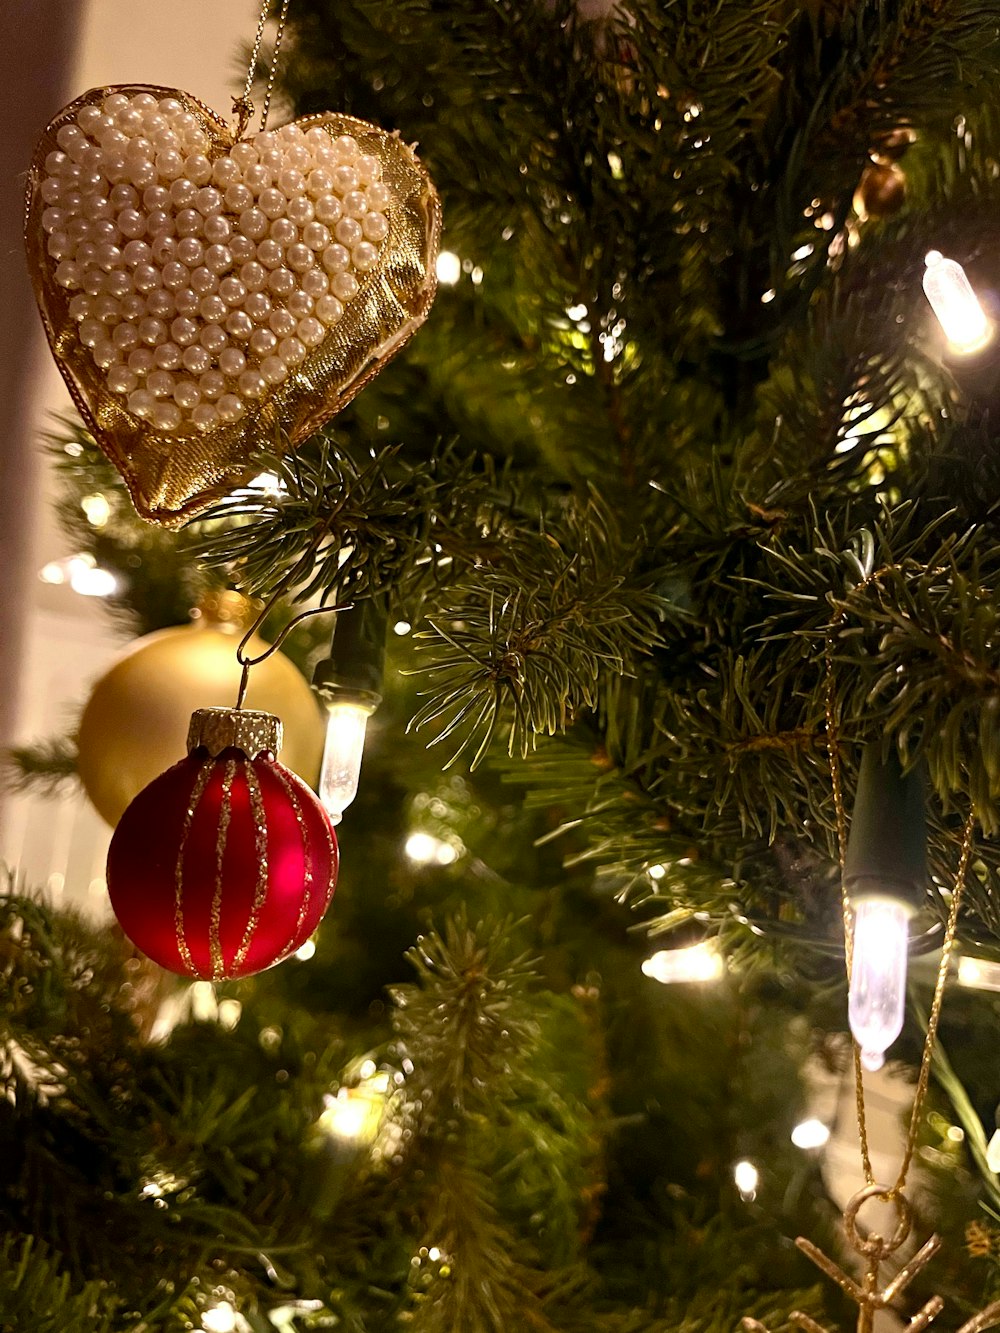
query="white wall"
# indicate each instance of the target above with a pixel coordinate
(53, 642)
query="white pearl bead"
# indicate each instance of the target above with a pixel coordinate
(132, 306)
(189, 222)
(355, 205)
(364, 256)
(239, 325)
(91, 332)
(205, 416)
(141, 403)
(284, 231)
(187, 301)
(212, 308)
(121, 379)
(152, 331)
(166, 416)
(315, 282)
(244, 155)
(213, 339)
(282, 323)
(159, 223)
(258, 306)
(281, 282)
(345, 179)
(299, 257)
(198, 169)
(319, 182)
(253, 276)
(190, 251)
(301, 210)
(348, 231)
(131, 223)
(81, 306)
(229, 407)
(346, 147)
(168, 356)
(272, 203)
(204, 281)
(183, 331)
(336, 259)
(182, 192)
(218, 258)
(217, 229)
(345, 286)
(136, 252)
(262, 343)
(232, 361)
(252, 384)
(187, 394)
(328, 209)
(232, 291)
(105, 354)
(160, 302)
(224, 171)
(242, 248)
(253, 223)
(375, 226)
(270, 253)
(316, 236)
(369, 168)
(238, 197)
(329, 310)
(208, 200)
(175, 275)
(155, 197)
(164, 249)
(125, 336)
(160, 383)
(257, 177)
(300, 304)
(212, 384)
(196, 359)
(379, 197)
(310, 331)
(274, 370)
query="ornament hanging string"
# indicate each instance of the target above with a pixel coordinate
(893, 1192)
(243, 107)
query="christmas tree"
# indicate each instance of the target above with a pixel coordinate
(680, 494)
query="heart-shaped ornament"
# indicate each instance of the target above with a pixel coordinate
(206, 297)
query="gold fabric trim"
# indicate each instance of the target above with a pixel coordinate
(221, 837)
(218, 729)
(197, 791)
(260, 851)
(174, 477)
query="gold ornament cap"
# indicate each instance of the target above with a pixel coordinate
(218, 729)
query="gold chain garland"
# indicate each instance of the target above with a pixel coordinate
(243, 108)
(870, 1294)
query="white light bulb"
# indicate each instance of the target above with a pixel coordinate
(696, 962)
(878, 976)
(345, 746)
(955, 304)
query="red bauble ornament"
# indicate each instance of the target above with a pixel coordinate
(225, 863)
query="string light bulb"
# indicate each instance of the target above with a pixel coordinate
(350, 683)
(956, 305)
(885, 873)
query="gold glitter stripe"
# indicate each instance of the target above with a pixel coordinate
(222, 834)
(260, 848)
(197, 791)
(307, 877)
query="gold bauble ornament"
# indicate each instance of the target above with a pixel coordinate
(136, 720)
(207, 295)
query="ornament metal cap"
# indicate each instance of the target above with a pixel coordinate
(218, 729)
